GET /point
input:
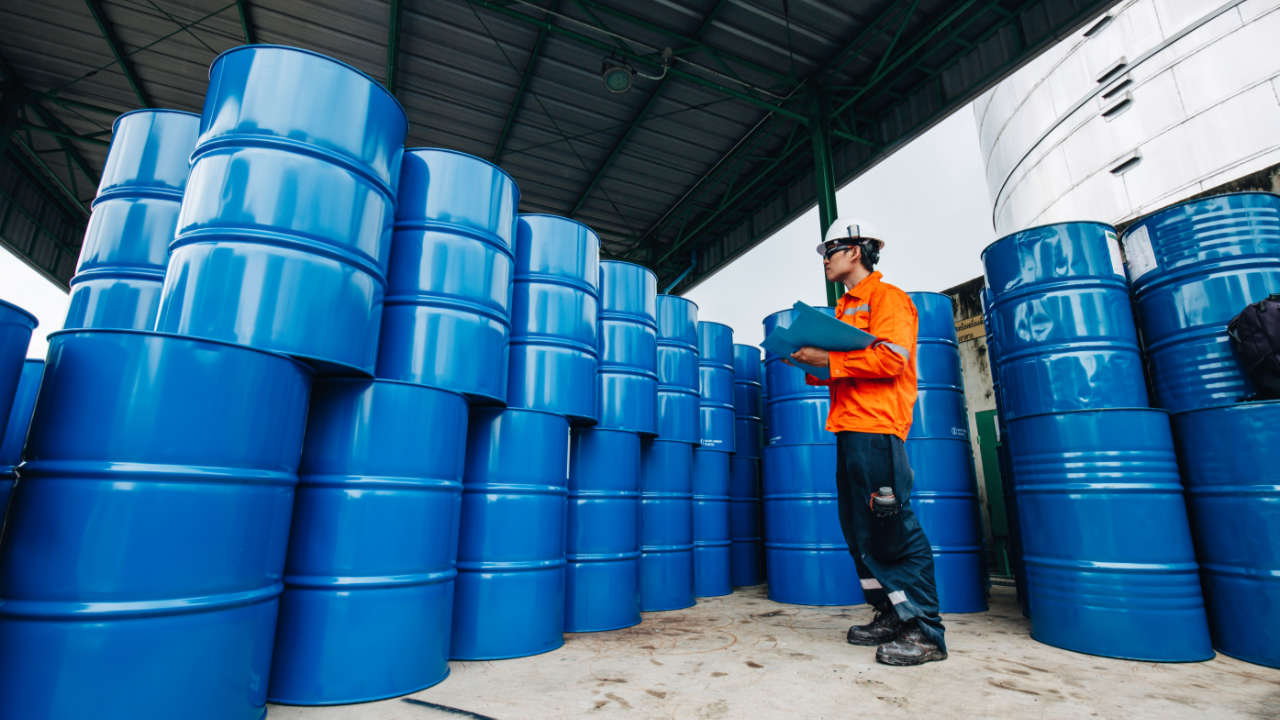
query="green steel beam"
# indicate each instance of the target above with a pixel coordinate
(637, 119)
(61, 186)
(50, 121)
(956, 12)
(522, 90)
(393, 45)
(126, 66)
(778, 160)
(906, 19)
(692, 44)
(246, 23)
(854, 46)
(66, 135)
(824, 179)
(649, 61)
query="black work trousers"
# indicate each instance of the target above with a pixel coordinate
(894, 559)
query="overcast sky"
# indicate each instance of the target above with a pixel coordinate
(929, 200)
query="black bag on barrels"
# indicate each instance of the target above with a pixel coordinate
(1255, 335)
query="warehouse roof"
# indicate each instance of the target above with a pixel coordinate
(708, 151)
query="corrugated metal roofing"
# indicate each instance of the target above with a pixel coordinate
(681, 173)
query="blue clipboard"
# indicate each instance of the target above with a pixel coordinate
(813, 328)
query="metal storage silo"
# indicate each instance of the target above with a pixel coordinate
(509, 598)
(446, 321)
(369, 576)
(285, 229)
(153, 433)
(126, 243)
(554, 314)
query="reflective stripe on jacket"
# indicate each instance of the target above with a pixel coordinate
(873, 390)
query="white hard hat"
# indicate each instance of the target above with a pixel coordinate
(847, 231)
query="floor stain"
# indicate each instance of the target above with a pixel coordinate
(753, 664)
(617, 681)
(655, 662)
(1006, 685)
(895, 700)
(717, 709)
(626, 705)
(719, 674)
(772, 613)
(657, 693)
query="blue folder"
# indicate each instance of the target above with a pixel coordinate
(813, 328)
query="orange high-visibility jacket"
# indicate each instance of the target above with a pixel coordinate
(873, 390)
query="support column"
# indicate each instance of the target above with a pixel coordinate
(824, 178)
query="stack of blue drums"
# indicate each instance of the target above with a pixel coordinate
(447, 317)
(627, 392)
(711, 460)
(1193, 267)
(193, 446)
(16, 326)
(554, 316)
(945, 492)
(1106, 545)
(369, 579)
(602, 545)
(746, 519)
(666, 486)
(14, 434)
(806, 555)
(510, 598)
(285, 230)
(126, 244)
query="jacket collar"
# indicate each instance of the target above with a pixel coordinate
(863, 289)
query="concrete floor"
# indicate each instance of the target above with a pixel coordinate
(744, 656)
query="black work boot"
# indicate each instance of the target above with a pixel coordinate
(911, 647)
(882, 629)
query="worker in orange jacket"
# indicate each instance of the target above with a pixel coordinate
(872, 394)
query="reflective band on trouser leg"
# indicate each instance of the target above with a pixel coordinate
(897, 597)
(871, 584)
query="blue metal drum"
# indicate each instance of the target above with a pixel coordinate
(602, 546)
(807, 558)
(746, 520)
(666, 526)
(554, 315)
(16, 326)
(126, 244)
(711, 573)
(679, 417)
(15, 431)
(285, 230)
(510, 595)
(945, 493)
(146, 537)
(795, 412)
(715, 383)
(368, 599)
(1110, 566)
(1193, 267)
(1229, 456)
(446, 320)
(628, 380)
(1063, 321)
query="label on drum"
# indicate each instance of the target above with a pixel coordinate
(1137, 250)
(1113, 247)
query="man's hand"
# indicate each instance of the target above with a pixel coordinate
(811, 356)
